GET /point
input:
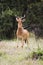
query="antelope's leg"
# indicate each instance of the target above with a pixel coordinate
(22, 42)
(27, 42)
(17, 41)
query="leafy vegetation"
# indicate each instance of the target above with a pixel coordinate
(37, 54)
(33, 9)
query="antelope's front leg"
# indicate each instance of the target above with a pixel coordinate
(22, 42)
(17, 41)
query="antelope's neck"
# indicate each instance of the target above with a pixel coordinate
(20, 29)
(19, 25)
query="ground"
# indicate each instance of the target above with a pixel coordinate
(11, 55)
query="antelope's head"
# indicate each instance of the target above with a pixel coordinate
(20, 19)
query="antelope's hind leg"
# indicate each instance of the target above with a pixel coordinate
(27, 41)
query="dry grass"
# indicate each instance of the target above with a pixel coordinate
(11, 55)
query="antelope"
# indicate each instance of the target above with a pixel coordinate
(21, 33)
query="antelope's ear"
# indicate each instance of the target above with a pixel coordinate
(23, 20)
(17, 19)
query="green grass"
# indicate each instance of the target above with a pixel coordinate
(11, 55)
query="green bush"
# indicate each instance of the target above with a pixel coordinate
(7, 25)
(37, 54)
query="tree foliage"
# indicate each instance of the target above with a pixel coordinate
(33, 9)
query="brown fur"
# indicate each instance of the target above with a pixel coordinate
(22, 33)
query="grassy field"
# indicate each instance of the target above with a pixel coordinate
(11, 55)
